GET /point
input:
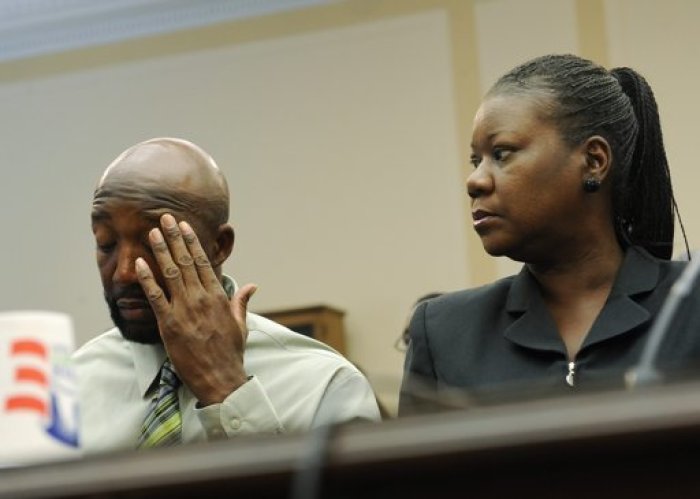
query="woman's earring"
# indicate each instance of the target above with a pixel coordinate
(591, 184)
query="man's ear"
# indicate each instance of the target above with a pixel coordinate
(599, 158)
(223, 245)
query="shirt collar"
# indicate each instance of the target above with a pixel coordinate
(230, 285)
(148, 359)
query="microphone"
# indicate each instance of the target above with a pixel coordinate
(645, 372)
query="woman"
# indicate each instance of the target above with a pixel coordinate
(570, 177)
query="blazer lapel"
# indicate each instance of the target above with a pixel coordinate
(533, 326)
(639, 274)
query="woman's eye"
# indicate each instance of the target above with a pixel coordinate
(475, 160)
(500, 154)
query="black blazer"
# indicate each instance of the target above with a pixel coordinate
(499, 340)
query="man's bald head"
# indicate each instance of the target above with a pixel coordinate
(168, 173)
(142, 184)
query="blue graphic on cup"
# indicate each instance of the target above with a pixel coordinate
(63, 416)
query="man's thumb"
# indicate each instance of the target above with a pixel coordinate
(239, 302)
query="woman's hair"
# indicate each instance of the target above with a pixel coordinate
(585, 99)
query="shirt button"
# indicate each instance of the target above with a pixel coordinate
(235, 423)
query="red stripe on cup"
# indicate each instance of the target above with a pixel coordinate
(32, 375)
(25, 403)
(30, 347)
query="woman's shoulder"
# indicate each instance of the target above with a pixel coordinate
(665, 272)
(468, 300)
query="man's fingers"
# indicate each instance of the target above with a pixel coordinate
(178, 251)
(156, 296)
(203, 266)
(239, 302)
(170, 271)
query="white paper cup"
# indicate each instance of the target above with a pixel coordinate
(38, 389)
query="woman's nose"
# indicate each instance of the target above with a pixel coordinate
(479, 182)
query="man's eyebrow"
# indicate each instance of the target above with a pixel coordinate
(150, 215)
(98, 215)
(154, 214)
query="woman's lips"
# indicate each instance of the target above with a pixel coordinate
(482, 217)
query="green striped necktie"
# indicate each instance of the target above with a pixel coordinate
(163, 424)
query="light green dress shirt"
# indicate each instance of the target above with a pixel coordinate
(297, 383)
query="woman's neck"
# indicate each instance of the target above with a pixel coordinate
(586, 271)
(576, 289)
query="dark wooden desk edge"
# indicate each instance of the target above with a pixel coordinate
(524, 429)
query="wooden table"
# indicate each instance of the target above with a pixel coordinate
(621, 444)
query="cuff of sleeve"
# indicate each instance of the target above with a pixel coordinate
(247, 410)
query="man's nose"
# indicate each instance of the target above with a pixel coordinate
(125, 273)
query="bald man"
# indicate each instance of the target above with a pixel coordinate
(160, 221)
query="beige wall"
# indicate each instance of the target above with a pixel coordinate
(344, 132)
